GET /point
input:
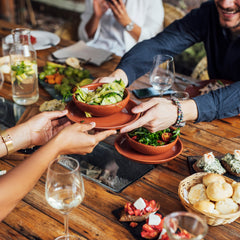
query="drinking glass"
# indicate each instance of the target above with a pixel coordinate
(163, 73)
(64, 189)
(24, 73)
(192, 223)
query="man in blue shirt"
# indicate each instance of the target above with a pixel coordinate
(217, 24)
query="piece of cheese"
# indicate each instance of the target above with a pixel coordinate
(162, 233)
(209, 158)
(139, 204)
(237, 154)
(154, 219)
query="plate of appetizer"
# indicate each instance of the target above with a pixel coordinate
(227, 165)
(206, 86)
(144, 220)
(59, 79)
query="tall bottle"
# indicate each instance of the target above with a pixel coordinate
(24, 73)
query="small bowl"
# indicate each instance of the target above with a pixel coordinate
(148, 149)
(101, 110)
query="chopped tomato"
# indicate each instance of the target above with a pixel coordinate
(134, 137)
(166, 136)
(165, 237)
(147, 228)
(149, 235)
(133, 224)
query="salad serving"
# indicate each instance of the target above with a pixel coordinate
(108, 93)
(159, 138)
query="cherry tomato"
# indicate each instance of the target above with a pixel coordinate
(166, 136)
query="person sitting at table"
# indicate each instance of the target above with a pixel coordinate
(117, 25)
(217, 24)
(57, 136)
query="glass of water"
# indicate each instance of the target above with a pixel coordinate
(163, 73)
(64, 189)
(185, 225)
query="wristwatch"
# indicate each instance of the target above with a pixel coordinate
(129, 27)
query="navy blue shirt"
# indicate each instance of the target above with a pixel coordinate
(223, 54)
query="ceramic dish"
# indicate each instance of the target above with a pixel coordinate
(44, 39)
(124, 149)
(101, 110)
(114, 121)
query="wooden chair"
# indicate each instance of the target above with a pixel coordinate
(171, 13)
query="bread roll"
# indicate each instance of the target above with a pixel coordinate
(205, 206)
(212, 177)
(197, 193)
(236, 192)
(226, 206)
(217, 191)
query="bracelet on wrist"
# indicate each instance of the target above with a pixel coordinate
(179, 122)
(7, 140)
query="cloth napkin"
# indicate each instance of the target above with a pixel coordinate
(82, 51)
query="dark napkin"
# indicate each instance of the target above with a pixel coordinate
(192, 159)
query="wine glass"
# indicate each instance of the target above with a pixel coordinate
(64, 189)
(163, 73)
(177, 222)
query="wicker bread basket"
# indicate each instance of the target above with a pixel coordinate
(212, 219)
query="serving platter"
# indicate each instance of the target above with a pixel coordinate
(114, 121)
(124, 149)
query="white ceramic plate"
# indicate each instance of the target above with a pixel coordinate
(44, 39)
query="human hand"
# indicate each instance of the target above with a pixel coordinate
(119, 11)
(159, 114)
(99, 7)
(75, 139)
(116, 75)
(42, 127)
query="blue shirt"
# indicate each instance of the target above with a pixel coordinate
(223, 54)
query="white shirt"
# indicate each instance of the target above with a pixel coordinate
(111, 35)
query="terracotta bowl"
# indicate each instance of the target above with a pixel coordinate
(101, 110)
(148, 149)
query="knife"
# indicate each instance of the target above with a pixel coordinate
(188, 81)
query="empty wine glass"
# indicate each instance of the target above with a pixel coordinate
(163, 73)
(64, 189)
(185, 225)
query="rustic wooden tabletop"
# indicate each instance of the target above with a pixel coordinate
(33, 218)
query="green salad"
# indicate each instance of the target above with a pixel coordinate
(108, 93)
(159, 138)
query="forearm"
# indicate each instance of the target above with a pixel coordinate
(21, 179)
(135, 32)
(92, 25)
(190, 111)
(20, 138)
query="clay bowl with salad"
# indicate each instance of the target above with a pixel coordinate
(143, 141)
(101, 99)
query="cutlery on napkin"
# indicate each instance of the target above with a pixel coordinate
(84, 52)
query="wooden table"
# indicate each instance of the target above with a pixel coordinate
(33, 218)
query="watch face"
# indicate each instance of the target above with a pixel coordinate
(129, 27)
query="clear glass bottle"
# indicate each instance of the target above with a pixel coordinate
(24, 73)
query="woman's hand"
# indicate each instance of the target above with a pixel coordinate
(42, 127)
(99, 7)
(158, 114)
(120, 12)
(75, 139)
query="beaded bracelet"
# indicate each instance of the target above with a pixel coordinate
(179, 122)
(7, 140)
